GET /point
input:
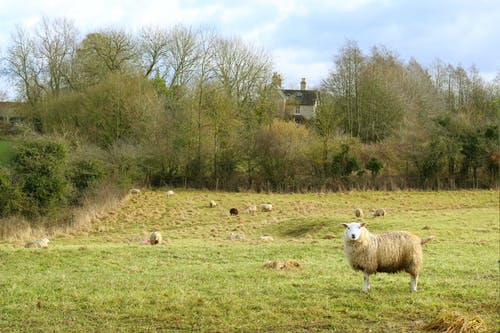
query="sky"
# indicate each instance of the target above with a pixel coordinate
(302, 36)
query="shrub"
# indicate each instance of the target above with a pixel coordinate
(85, 173)
(39, 167)
(10, 196)
(344, 165)
(374, 165)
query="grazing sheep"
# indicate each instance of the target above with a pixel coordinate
(235, 236)
(379, 212)
(212, 204)
(388, 252)
(359, 212)
(233, 211)
(134, 191)
(169, 193)
(44, 242)
(252, 209)
(267, 238)
(155, 238)
(267, 207)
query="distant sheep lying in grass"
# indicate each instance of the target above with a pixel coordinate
(267, 207)
(282, 264)
(134, 191)
(388, 252)
(155, 238)
(359, 212)
(266, 238)
(212, 204)
(379, 212)
(44, 242)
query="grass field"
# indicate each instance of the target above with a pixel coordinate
(101, 279)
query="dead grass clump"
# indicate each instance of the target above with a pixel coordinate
(15, 228)
(454, 322)
(283, 264)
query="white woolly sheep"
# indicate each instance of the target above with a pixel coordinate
(379, 212)
(44, 242)
(134, 191)
(212, 204)
(236, 236)
(169, 193)
(267, 238)
(252, 209)
(267, 207)
(388, 252)
(359, 212)
(155, 238)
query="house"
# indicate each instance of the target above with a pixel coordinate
(299, 105)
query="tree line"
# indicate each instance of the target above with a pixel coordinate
(180, 106)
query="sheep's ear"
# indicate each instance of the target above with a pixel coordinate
(363, 224)
(345, 225)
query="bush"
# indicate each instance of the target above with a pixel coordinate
(85, 173)
(39, 167)
(374, 165)
(10, 196)
(344, 165)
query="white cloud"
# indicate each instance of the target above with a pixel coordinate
(294, 64)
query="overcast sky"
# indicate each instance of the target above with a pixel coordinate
(302, 37)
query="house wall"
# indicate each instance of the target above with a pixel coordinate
(307, 111)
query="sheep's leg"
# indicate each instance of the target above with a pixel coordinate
(366, 282)
(413, 283)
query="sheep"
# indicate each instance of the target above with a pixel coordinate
(267, 238)
(235, 236)
(388, 252)
(134, 191)
(212, 204)
(379, 212)
(252, 209)
(169, 193)
(359, 212)
(44, 242)
(267, 207)
(155, 238)
(233, 211)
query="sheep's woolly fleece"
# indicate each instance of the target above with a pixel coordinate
(283, 264)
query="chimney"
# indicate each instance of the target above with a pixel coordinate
(303, 84)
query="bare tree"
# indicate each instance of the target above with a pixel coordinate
(183, 56)
(343, 83)
(240, 69)
(41, 62)
(23, 66)
(153, 44)
(56, 42)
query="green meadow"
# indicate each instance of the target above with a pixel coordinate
(101, 278)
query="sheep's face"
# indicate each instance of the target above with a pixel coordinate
(353, 230)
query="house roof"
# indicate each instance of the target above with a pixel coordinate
(302, 97)
(9, 106)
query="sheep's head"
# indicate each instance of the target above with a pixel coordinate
(353, 230)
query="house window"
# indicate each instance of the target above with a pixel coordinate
(297, 109)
